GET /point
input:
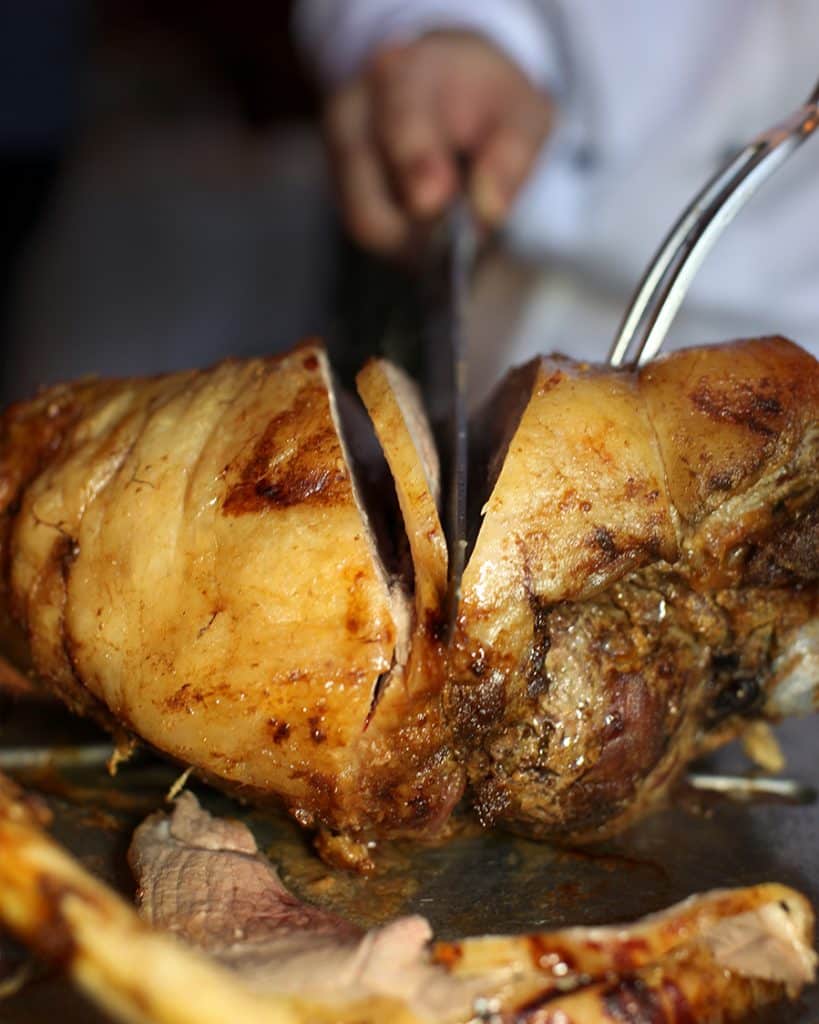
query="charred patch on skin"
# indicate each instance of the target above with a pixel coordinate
(184, 699)
(755, 406)
(279, 730)
(723, 481)
(742, 695)
(474, 708)
(787, 555)
(538, 680)
(603, 540)
(297, 461)
(609, 551)
(637, 488)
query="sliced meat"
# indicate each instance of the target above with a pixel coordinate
(414, 698)
(724, 952)
(395, 408)
(203, 879)
(188, 558)
(707, 959)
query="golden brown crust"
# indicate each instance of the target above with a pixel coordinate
(648, 558)
(723, 415)
(189, 553)
(188, 556)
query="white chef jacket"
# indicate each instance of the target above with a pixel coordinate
(653, 97)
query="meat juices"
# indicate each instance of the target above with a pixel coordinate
(189, 558)
(221, 939)
(714, 956)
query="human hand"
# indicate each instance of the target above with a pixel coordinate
(400, 132)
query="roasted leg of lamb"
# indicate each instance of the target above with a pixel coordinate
(197, 560)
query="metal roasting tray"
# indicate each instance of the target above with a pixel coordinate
(476, 883)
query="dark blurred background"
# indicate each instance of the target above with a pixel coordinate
(164, 197)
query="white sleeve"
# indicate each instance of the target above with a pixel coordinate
(338, 35)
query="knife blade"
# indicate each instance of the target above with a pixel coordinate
(445, 294)
(463, 252)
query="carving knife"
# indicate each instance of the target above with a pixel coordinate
(446, 287)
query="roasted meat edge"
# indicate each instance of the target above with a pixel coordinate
(188, 558)
(643, 584)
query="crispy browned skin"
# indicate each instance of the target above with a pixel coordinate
(645, 575)
(188, 558)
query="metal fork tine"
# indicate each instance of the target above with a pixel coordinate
(668, 253)
(666, 281)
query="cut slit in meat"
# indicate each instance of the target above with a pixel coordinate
(491, 432)
(374, 489)
(191, 557)
(250, 523)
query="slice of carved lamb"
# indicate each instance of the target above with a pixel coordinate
(643, 584)
(273, 960)
(203, 879)
(394, 405)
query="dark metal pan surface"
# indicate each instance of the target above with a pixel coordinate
(476, 883)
